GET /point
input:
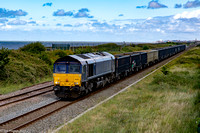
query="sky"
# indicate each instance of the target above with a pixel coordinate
(99, 20)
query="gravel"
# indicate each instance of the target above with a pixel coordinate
(20, 108)
(24, 109)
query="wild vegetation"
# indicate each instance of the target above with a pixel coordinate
(32, 64)
(4, 60)
(35, 48)
(166, 101)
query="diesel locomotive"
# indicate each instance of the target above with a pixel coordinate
(76, 75)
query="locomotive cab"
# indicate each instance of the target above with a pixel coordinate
(67, 75)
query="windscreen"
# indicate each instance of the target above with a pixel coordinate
(60, 68)
(74, 68)
(68, 67)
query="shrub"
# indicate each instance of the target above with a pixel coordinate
(145, 47)
(60, 53)
(69, 52)
(133, 45)
(84, 50)
(197, 98)
(109, 47)
(4, 60)
(25, 68)
(45, 58)
(35, 48)
(4, 57)
(127, 49)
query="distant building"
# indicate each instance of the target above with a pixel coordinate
(61, 46)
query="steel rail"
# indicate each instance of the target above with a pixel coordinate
(24, 93)
(26, 97)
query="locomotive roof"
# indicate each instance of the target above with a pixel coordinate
(174, 46)
(89, 58)
(128, 54)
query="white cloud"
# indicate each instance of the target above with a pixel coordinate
(188, 15)
(6, 27)
(149, 18)
(17, 22)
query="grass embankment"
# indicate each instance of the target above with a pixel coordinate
(23, 69)
(159, 103)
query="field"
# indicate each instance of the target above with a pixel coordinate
(166, 101)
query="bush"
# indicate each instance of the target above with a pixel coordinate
(127, 49)
(25, 68)
(4, 60)
(84, 50)
(60, 53)
(145, 47)
(4, 57)
(133, 45)
(35, 48)
(69, 52)
(197, 98)
(108, 47)
(45, 58)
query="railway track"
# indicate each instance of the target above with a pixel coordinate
(29, 117)
(32, 116)
(21, 121)
(25, 95)
(26, 119)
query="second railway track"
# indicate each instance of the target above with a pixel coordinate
(25, 95)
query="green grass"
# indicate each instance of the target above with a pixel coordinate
(159, 103)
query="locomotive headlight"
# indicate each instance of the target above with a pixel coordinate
(76, 83)
(57, 82)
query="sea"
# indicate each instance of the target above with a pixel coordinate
(18, 44)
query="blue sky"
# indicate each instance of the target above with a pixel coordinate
(99, 20)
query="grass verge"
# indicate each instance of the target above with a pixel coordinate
(159, 103)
